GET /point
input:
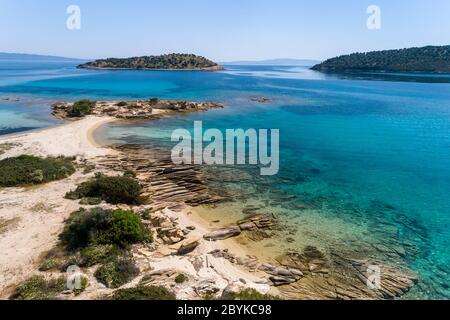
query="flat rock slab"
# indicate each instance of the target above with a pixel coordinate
(223, 233)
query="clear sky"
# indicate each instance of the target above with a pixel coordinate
(222, 30)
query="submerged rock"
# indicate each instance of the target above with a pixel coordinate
(261, 100)
(343, 275)
(281, 276)
(255, 222)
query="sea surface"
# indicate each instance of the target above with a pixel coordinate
(364, 159)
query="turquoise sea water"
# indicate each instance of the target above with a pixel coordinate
(367, 156)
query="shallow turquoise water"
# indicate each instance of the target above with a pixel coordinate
(355, 147)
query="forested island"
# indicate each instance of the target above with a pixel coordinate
(431, 59)
(162, 62)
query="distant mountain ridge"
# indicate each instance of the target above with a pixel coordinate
(26, 56)
(275, 62)
(174, 61)
(432, 59)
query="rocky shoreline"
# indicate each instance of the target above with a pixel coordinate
(136, 109)
(214, 68)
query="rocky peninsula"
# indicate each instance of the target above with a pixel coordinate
(138, 109)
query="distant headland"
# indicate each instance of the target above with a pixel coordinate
(172, 61)
(430, 59)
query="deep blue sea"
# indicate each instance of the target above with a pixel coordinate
(365, 159)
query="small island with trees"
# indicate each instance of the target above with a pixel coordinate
(172, 61)
(430, 59)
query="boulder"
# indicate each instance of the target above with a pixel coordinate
(232, 290)
(281, 281)
(248, 226)
(223, 233)
(280, 275)
(188, 245)
(206, 287)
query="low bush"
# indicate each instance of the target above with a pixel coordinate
(251, 294)
(90, 201)
(129, 174)
(121, 104)
(146, 215)
(181, 278)
(133, 106)
(102, 227)
(113, 190)
(84, 281)
(144, 293)
(29, 170)
(117, 272)
(38, 288)
(96, 254)
(81, 108)
(50, 264)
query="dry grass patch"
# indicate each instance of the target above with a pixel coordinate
(7, 224)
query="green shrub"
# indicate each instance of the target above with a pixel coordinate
(50, 264)
(117, 272)
(129, 174)
(81, 108)
(251, 294)
(102, 227)
(181, 278)
(90, 201)
(127, 228)
(84, 283)
(113, 190)
(146, 215)
(38, 288)
(28, 170)
(144, 293)
(96, 254)
(133, 106)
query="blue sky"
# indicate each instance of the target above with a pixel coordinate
(222, 30)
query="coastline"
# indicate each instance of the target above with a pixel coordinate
(217, 68)
(91, 132)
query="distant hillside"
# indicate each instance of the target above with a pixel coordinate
(276, 62)
(163, 62)
(34, 57)
(430, 59)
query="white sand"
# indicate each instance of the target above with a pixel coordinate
(70, 139)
